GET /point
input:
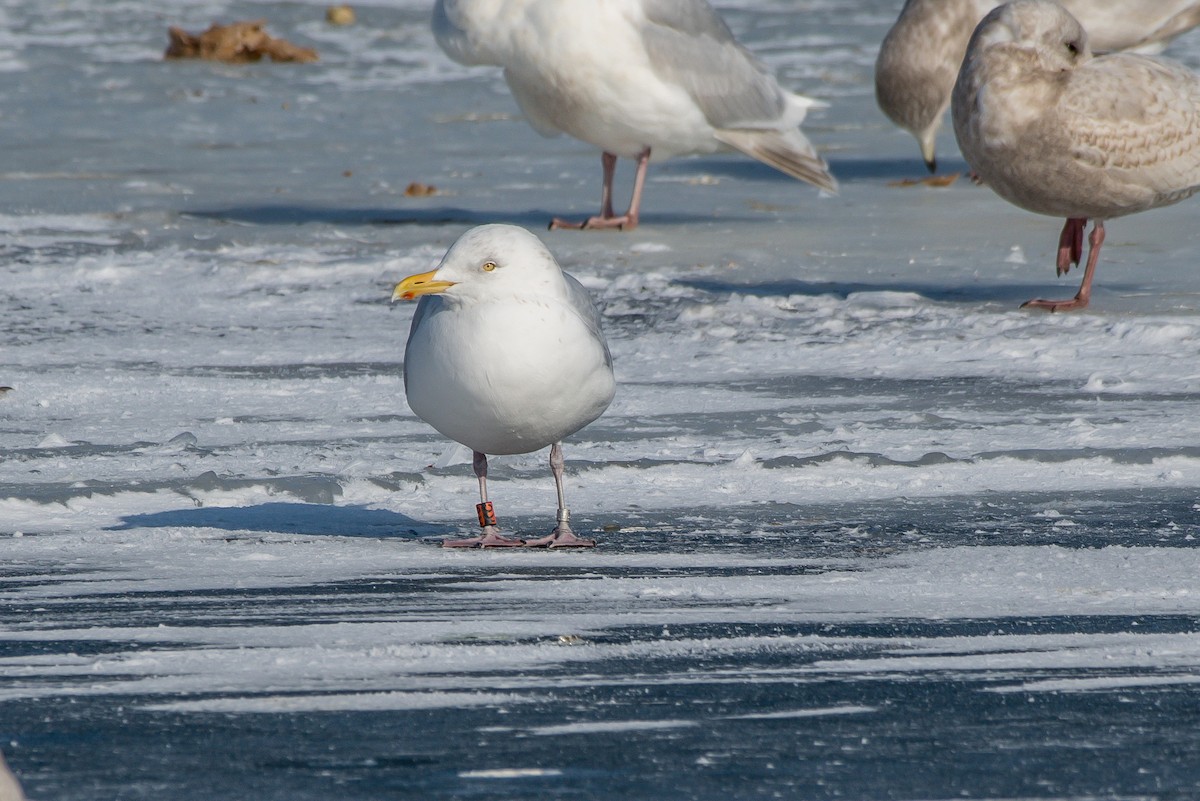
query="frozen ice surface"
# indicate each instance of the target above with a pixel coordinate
(867, 530)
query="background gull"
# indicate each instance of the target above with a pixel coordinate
(639, 79)
(1054, 130)
(921, 54)
(505, 355)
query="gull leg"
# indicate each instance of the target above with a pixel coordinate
(1080, 301)
(607, 218)
(609, 162)
(490, 536)
(1070, 244)
(639, 183)
(561, 536)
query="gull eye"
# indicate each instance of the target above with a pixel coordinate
(1073, 48)
(488, 266)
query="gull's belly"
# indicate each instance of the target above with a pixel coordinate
(506, 381)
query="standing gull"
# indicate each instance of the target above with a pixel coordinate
(1056, 131)
(920, 56)
(638, 79)
(505, 355)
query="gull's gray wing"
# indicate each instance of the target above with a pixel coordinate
(690, 45)
(582, 302)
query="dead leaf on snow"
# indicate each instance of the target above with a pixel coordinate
(418, 189)
(238, 43)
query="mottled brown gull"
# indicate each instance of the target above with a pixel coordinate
(921, 54)
(638, 79)
(505, 355)
(1057, 131)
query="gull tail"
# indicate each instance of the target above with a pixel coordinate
(1157, 40)
(787, 151)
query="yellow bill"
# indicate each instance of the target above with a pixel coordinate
(417, 285)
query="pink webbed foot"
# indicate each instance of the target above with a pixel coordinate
(567, 539)
(560, 538)
(490, 538)
(599, 223)
(1074, 304)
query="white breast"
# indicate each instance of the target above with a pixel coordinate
(509, 377)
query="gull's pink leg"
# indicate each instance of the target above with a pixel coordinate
(1070, 243)
(490, 538)
(609, 162)
(607, 219)
(561, 536)
(1080, 301)
(639, 183)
